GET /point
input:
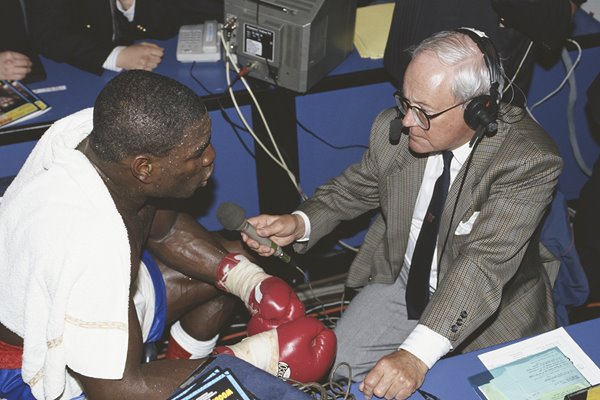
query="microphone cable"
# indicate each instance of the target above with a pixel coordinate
(325, 142)
(460, 189)
(572, 96)
(332, 390)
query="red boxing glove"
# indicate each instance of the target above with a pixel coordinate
(302, 350)
(270, 300)
(272, 303)
(306, 349)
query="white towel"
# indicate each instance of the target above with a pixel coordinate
(64, 265)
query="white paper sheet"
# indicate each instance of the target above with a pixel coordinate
(555, 338)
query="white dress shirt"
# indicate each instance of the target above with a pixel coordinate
(111, 61)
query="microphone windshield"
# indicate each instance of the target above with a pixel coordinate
(231, 216)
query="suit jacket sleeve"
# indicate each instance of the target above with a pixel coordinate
(354, 192)
(80, 32)
(64, 32)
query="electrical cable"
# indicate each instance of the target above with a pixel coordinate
(332, 390)
(460, 189)
(564, 81)
(320, 139)
(511, 81)
(279, 159)
(572, 96)
(314, 295)
(571, 117)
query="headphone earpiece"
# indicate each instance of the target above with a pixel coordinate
(482, 112)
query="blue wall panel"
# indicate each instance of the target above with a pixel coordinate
(342, 118)
(552, 115)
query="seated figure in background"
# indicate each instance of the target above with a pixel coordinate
(16, 55)
(97, 35)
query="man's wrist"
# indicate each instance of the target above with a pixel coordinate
(426, 344)
(303, 219)
(111, 61)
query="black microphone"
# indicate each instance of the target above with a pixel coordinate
(233, 218)
(477, 136)
(395, 130)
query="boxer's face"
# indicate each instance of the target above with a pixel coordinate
(427, 86)
(189, 165)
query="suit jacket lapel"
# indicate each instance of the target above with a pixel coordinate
(402, 190)
(482, 156)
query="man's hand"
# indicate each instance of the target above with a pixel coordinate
(281, 229)
(395, 376)
(13, 65)
(144, 56)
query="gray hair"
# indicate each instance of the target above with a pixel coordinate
(457, 50)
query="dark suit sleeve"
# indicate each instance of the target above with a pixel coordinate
(156, 19)
(78, 34)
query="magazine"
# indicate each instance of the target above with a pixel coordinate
(18, 103)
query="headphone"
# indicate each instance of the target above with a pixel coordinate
(481, 113)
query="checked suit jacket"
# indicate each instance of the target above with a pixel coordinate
(492, 285)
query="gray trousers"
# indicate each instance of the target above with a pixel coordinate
(374, 325)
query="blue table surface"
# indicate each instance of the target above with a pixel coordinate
(448, 379)
(83, 87)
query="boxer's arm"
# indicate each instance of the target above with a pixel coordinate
(185, 245)
(154, 380)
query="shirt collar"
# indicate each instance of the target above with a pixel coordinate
(462, 153)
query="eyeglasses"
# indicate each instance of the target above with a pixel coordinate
(423, 119)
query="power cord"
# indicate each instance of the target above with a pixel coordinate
(332, 390)
(572, 96)
(514, 77)
(320, 139)
(277, 159)
(565, 79)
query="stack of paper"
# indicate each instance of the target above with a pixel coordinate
(546, 367)
(372, 29)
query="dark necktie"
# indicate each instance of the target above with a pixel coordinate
(417, 287)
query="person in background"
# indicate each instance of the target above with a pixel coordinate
(16, 55)
(95, 35)
(14, 65)
(452, 262)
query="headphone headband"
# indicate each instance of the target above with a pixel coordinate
(490, 56)
(481, 112)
